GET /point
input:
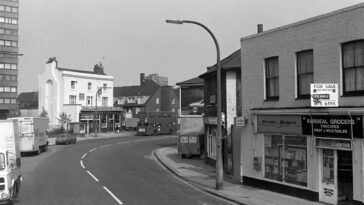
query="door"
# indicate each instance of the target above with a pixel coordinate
(345, 176)
(328, 182)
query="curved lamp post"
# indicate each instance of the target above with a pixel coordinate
(219, 169)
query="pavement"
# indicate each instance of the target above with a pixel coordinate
(202, 176)
(92, 136)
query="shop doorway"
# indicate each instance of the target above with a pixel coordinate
(345, 176)
(336, 184)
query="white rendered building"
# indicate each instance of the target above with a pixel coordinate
(74, 92)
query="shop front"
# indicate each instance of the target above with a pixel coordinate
(308, 156)
(336, 138)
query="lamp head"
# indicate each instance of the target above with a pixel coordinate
(174, 21)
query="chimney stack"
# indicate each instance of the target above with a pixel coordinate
(142, 76)
(260, 28)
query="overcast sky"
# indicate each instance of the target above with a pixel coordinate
(131, 36)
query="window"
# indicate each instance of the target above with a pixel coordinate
(7, 89)
(173, 110)
(89, 101)
(104, 101)
(304, 73)
(157, 110)
(72, 99)
(272, 78)
(13, 78)
(73, 84)
(89, 86)
(13, 101)
(173, 101)
(7, 100)
(353, 68)
(13, 89)
(157, 101)
(81, 96)
(286, 159)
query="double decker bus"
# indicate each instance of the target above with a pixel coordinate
(155, 123)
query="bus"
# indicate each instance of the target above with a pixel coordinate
(155, 123)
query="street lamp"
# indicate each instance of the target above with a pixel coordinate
(219, 169)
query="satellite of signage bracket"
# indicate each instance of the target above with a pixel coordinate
(324, 95)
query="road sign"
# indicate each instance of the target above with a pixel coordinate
(324, 95)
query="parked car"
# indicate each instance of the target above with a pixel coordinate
(66, 139)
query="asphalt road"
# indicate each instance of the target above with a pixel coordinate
(105, 171)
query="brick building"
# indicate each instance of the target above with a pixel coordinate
(289, 145)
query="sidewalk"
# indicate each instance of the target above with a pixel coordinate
(202, 175)
(91, 136)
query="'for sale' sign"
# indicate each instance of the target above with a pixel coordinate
(324, 95)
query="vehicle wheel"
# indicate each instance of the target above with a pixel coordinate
(46, 147)
(183, 155)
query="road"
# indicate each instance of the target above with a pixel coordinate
(110, 171)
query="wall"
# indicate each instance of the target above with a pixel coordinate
(324, 35)
(97, 81)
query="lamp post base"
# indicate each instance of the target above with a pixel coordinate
(219, 186)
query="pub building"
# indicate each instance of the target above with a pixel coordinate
(303, 100)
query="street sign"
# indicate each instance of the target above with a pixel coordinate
(324, 95)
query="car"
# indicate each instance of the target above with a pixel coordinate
(66, 139)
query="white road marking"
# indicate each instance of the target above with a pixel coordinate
(116, 198)
(92, 176)
(108, 145)
(93, 149)
(83, 156)
(82, 164)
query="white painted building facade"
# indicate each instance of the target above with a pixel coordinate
(67, 90)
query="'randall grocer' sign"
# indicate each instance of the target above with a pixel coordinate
(324, 95)
(333, 126)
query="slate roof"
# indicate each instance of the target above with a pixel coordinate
(148, 88)
(193, 81)
(28, 100)
(231, 62)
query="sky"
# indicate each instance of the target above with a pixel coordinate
(131, 37)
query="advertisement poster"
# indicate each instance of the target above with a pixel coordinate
(324, 95)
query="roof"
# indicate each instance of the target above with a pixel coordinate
(79, 71)
(28, 100)
(148, 88)
(193, 81)
(309, 20)
(233, 61)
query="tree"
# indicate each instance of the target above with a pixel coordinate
(64, 119)
(44, 113)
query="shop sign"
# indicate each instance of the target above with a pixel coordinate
(210, 120)
(333, 126)
(333, 143)
(324, 95)
(240, 121)
(281, 124)
(87, 117)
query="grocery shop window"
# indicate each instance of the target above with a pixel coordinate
(272, 78)
(286, 159)
(353, 68)
(304, 73)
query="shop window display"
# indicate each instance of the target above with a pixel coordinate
(286, 159)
